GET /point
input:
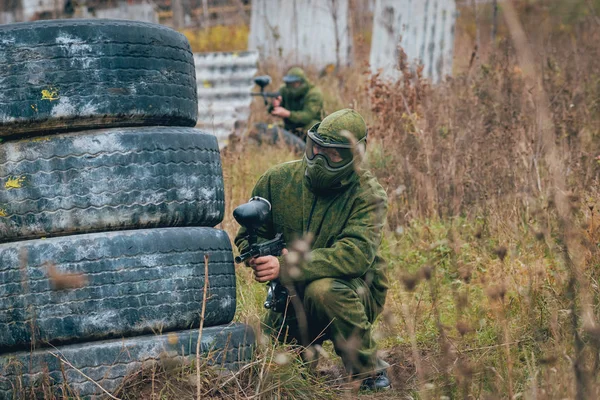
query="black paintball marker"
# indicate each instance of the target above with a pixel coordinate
(252, 216)
(262, 81)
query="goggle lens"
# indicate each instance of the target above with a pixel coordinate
(336, 157)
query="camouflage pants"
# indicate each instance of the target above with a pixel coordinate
(342, 311)
(272, 134)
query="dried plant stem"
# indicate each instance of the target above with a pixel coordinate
(414, 346)
(153, 380)
(442, 337)
(199, 344)
(301, 317)
(494, 21)
(557, 192)
(543, 116)
(505, 331)
(64, 385)
(477, 31)
(261, 376)
(509, 364)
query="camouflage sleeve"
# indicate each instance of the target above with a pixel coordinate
(313, 104)
(266, 231)
(354, 250)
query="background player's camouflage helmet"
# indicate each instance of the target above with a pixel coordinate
(331, 149)
(295, 74)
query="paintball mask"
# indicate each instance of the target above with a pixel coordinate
(328, 160)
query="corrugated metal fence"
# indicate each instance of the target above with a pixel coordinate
(7, 17)
(139, 12)
(224, 86)
(424, 28)
(31, 9)
(314, 32)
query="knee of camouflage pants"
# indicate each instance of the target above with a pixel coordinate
(343, 311)
(336, 309)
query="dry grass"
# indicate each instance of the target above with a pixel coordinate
(494, 284)
(218, 38)
(276, 372)
(493, 229)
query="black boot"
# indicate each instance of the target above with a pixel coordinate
(379, 382)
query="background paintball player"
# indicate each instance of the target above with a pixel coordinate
(341, 286)
(300, 104)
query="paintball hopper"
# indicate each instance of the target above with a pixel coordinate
(262, 81)
(253, 214)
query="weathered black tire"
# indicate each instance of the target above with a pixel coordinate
(108, 362)
(79, 74)
(138, 282)
(113, 179)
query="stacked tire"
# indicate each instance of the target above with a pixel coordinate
(108, 202)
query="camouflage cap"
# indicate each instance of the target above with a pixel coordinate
(331, 128)
(295, 74)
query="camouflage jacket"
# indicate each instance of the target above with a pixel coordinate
(305, 110)
(346, 226)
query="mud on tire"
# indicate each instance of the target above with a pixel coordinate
(108, 362)
(128, 283)
(113, 179)
(82, 74)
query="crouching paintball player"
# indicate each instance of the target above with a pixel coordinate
(299, 105)
(338, 287)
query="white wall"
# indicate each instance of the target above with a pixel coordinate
(424, 29)
(139, 12)
(301, 31)
(31, 7)
(7, 17)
